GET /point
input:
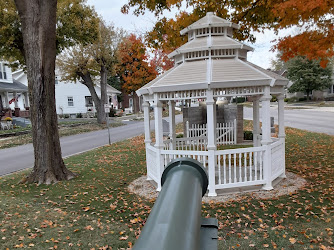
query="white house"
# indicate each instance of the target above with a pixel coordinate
(73, 97)
(13, 93)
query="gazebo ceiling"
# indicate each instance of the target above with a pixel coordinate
(211, 59)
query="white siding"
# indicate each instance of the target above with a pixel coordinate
(8, 73)
(76, 90)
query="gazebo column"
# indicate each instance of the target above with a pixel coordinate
(172, 136)
(256, 121)
(211, 134)
(266, 140)
(158, 138)
(146, 107)
(281, 129)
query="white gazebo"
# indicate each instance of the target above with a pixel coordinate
(209, 66)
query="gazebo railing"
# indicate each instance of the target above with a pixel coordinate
(169, 155)
(195, 144)
(152, 163)
(192, 144)
(226, 132)
(277, 158)
(239, 167)
(233, 168)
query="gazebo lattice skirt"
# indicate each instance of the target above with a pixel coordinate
(229, 168)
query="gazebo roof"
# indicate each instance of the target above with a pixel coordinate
(211, 59)
(214, 42)
(220, 74)
(210, 20)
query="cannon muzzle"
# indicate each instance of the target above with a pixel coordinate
(175, 221)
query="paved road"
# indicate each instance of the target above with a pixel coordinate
(21, 157)
(315, 120)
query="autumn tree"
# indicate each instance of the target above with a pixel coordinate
(133, 69)
(160, 61)
(307, 75)
(91, 63)
(31, 34)
(313, 17)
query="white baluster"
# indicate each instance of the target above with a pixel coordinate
(224, 159)
(240, 179)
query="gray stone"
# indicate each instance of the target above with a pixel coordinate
(165, 127)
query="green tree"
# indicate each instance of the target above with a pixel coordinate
(278, 63)
(115, 82)
(93, 62)
(75, 22)
(307, 75)
(31, 34)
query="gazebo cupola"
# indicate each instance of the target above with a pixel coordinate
(209, 66)
(210, 37)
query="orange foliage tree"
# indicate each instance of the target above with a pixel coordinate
(134, 69)
(314, 18)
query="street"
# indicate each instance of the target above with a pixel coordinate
(22, 157)
(314, 120)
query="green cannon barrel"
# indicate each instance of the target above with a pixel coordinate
(175, 220)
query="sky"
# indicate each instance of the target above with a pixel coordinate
(111, 12)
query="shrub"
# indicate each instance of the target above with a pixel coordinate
(273, 98)
(66, 116)
(286, 100)
(179, 136)
(248, 135)
(293, 99)
(239, 99)
(112, 113)
(79, 115)
(302, 99)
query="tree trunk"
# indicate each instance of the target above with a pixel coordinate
(39, 37)
(307, 95)
(135, 103)
(100, 114)
(104, 96)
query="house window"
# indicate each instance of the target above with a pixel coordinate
(3, 74)
(89, 101)
(130, 102)
(331, 89)
(70, 102)
(56, 80)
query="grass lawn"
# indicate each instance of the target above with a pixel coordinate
(65, 129)
(95, 210)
